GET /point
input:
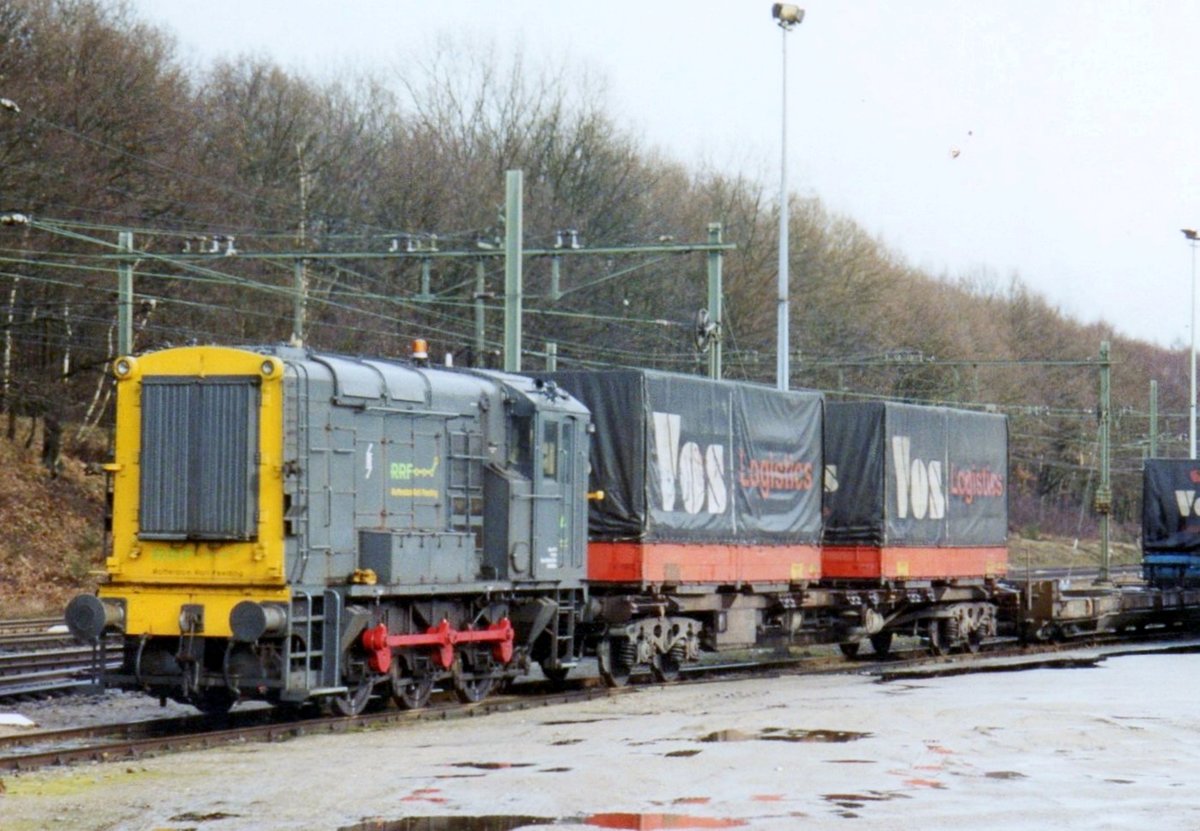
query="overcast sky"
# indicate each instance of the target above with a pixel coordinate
(1053, 140)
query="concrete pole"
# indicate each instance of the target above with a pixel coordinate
(514, 185)
(1104, 492)
(480, 290)
(715, 292)
(1154, 419)
(125, 294)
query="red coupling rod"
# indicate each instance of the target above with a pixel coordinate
(443, 638)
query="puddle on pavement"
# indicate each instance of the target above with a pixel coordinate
(492, 823)
(491, 765)
(778, 734)
(565, 742)
(195, 817)
(509, 823)
(850, 801)
(574, 721)
(1004, 774)
(645, 821)
(681, 754)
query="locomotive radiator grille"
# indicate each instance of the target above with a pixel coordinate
(199, 466)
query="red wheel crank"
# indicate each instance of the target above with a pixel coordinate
(442, 638)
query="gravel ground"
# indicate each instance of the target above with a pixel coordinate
(1114, 747)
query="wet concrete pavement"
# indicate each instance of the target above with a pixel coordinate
(1114, 746)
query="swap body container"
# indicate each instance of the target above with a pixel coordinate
(702, 481)
(1171, 520)
(914, 492)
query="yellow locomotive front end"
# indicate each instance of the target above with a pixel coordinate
(197, 516)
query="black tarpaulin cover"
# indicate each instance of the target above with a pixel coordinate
(1169, 505)
(904, 474)
(687, 459)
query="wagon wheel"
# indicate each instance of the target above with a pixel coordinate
(849, 648)
(939, 637)
(881, 642)
(665, 668)
(410, 692)
(616, 657)
(352, 703)
(473, 679)
(973, 641)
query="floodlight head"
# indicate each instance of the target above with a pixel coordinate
(10, 105)
(787, 14)
(1190, 233)
(14, 218)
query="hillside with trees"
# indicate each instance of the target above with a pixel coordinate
(212, 168)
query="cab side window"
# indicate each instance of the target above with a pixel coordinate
(550, 449)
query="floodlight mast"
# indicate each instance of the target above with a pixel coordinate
(787, 16)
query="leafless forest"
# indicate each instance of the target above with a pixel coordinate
(105, 129)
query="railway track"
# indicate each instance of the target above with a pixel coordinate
(132, 740)
(39, 657)
(115, 742)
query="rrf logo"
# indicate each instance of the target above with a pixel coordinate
(918, 483)
(687, 472)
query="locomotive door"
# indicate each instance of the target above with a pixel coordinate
(554, 500)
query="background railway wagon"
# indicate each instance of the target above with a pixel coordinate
(914, 493)
(1170, 522)
(711, 493)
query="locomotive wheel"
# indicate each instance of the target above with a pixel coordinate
(849, 648)
(411, 693)
(213, 702)
(881, 642)
(472, 690)
(473, 678)
(555, 675)
(615, 661)
(353, 702)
